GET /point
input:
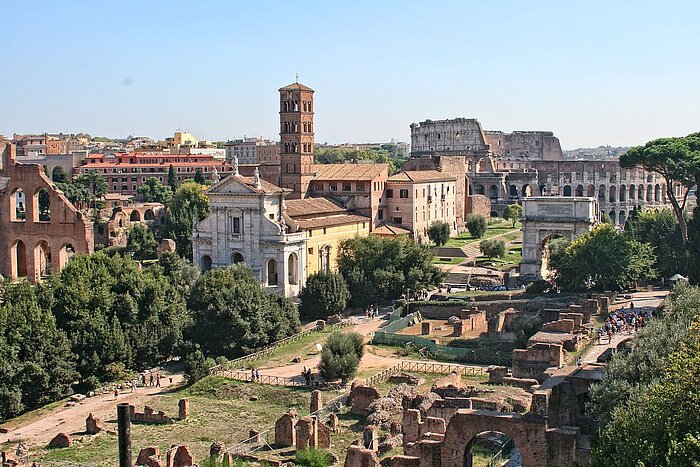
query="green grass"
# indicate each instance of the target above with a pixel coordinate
(32, 415)
(220, 410)
(304, 348)
(492, 230)
(448, 260)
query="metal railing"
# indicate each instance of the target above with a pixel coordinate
(242, 375)
(500, 457)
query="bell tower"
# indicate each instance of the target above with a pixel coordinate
(296, 138)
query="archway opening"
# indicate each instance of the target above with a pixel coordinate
(579, 190)
(42, 260)
(491, 448)
(623, 193)
(493, 192)
(480, 190)
(613, 194)
(292, 267)
(237, 257)
(135, 216)
(18, 257)
(325, 263)
(65, 254)
(205, 263)
(527, 191)
(601, 194)
(271, 273)
(590, 191)
(18, 206)
(567, 190)
(552, 248)
(613, 217)
(149, 215)
(513, 191)
(42, 206)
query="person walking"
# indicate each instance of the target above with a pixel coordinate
(257, 375)
(158, 380)
(150, 382)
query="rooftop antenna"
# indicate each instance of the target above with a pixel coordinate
(296, 77)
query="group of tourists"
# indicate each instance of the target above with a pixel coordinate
(415, 295)
(308, 376)
(372, 311)
(622, 321)
(254, 374)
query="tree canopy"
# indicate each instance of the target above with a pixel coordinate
(323, 295)
(377, 268)
(388, 153)
(603, 259)
(341, 355)
(493, 248)
(232, 315)
(439, 232)
(152, 191)
(513, 213)
(660, 229)
(648, 403)
(188, 202)
(476, 225)
(141, 243)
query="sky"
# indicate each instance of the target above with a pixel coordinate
(594, 72)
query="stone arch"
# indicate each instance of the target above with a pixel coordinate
(602, 194)
(42, 205)
(657, 193)
(237, 257)
(567, 190)
(293, 269)
(590, 191)
(18, 206)
(135, 216)
(613, 194)
(613, 217)
(205, 263)
(513, 191)
(632, 192)
(65, 254)
(42, 260)
(650, 193)
(271, 272)
(18, 259)
(493, 192)
(480, 190)
(544, 252)
(623, 193)
(526, 191)
(579, 190)
(640, 192)
(149, 215)
(465, 425)
(623, 217)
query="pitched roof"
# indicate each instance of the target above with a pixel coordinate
(312, 207)
(364, 172)
(391, 229)
(329, 221)
(265, 187)
(296, 87)
(421, 176)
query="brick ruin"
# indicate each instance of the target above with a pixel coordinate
(39, 228)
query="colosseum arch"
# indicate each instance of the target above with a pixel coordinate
(548, 217)
(579, 190)
(623, 193)
(590, 191)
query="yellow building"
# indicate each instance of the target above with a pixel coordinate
(183, 138)
(325, 224)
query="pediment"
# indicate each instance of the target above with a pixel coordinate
(230, 184)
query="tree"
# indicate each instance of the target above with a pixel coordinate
(604, 259)
(439, 232)
(341, 355)
(152, 191)
(58, 175)
(233, 316)
(377, 268)
(323, 295)
(94, 184)
(476, 225)
(173, 182)
(647, 404)
(660, 229)
(676, 160)
(605, 218)
(493, 248)
(693, 265)
(513, 212)
(199, 177)
(197, 365)
(141, 243)
(189, 203)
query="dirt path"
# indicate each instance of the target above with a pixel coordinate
(71, 420)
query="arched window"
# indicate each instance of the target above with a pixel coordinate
(271, 272)
(480, 190)
(623, 217)
(42, 206)
(237, 257)
(579, 190)
(567, 190)
(42, 260)
(149, 215)
(18, 206)
(18, 258)
(135, 216)
(623, 193)
(493, 192)
(640, 193)
(292, 268)
(632, 192)
(657, 193)
(590, 191)
(513, 191)
(205, 263)
(65, 254)
(613, 217)
(602, 193)
(613, 194)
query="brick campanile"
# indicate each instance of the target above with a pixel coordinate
(296, 138)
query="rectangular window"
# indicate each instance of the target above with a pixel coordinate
(347, 187)
(403, 194)
(236, 228)
(380, 214)
(389, 193)
(360, 187)
(311, 251)
(334, 187)
(271, 216)
(398, 220)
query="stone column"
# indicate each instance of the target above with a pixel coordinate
(316, 401)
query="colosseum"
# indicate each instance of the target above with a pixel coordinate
(507, 167)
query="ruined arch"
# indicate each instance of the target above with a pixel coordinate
(613, 194)
(65, 254)
(18, 259)
(18, 206)
(527, 191)
(623, 193)
(513, 191)
(42, 260)
(149, 215)
(602, 194)
(42, 206)
(135, 216)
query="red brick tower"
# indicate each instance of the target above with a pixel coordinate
(296, 138)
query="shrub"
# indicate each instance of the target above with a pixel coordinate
(341, 355)
(524, 328)
(495, 248)
(476, 225)
(439, 232)
(324, 294)
(539, 286)
(312, 457)
(197, 366)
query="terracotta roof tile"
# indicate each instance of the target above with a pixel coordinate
(391, 229)
(421, 176)
(329, 221)
(312, 207)
(295, 87)
(333, 172)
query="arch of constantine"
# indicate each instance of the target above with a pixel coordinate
(548, 217)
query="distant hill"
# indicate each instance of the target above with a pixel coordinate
(601, 152)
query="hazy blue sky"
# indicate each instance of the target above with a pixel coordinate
(594, 72)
